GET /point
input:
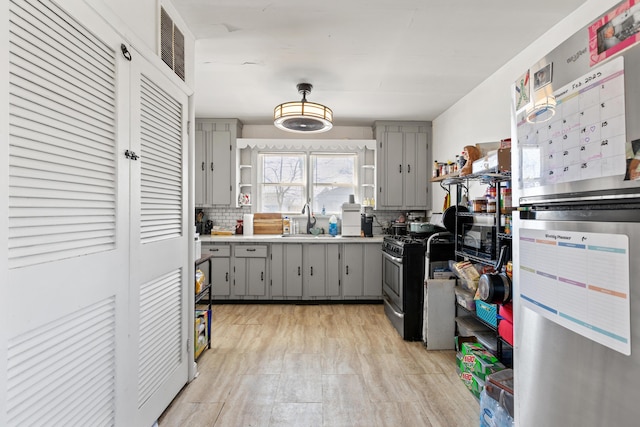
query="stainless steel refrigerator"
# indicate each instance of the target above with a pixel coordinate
(577, 232)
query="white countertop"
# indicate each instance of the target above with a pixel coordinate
(290, 238)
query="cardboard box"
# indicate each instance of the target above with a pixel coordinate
(479, 361)
(473, 383)
(497, 161)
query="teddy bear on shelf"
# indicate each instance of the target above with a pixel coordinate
(471, 154)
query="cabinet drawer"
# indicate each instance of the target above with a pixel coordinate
(251, 251)
(218, 250)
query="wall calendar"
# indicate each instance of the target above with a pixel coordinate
(585, 137)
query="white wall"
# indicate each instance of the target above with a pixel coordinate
(484, 115)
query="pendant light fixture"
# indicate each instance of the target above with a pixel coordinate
(303, 116)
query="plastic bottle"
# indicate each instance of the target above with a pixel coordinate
(436, 169)
(333, 225)
(324, 212)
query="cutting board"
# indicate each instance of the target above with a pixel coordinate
(267, 223)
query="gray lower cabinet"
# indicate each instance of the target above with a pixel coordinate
(220, 269)
(250, 271)
(372, 279)
(286, 270)
(321, 270)
(295, 271)
(352, 270)
(361, 270)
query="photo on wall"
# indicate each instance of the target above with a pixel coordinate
(614, 31)
(542, 77)
(523, 91)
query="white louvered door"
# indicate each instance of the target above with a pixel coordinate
(68, 207)
(95, 299)
(159, 238)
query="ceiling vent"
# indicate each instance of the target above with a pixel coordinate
(171, 44)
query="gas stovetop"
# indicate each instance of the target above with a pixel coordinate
(399, 245)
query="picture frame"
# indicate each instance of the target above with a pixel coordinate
(543, 76)
(615, 31)
(522, 92)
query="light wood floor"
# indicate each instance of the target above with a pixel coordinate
(319, 365)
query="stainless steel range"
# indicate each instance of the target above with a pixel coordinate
(403, 284)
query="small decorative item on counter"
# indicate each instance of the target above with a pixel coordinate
(286, 225)
(239, 226)
(436, 169)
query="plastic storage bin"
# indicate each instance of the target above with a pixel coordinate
(465, 299)
(487, 312)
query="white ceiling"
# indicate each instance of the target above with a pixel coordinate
(366, 59)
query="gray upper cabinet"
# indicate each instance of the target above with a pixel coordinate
(404, 152)
(215, 141)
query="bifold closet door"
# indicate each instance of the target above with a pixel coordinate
(68, 227)
(159, 239)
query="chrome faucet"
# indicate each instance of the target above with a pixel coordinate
(310, 224)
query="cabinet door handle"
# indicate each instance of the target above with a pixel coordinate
(214, 250)
(262, 276)
(226, 276)
(347, 269)
(400, 168)
(408, 168)
(298, 270)
(202, 165)
(211, 165)
(312, 271)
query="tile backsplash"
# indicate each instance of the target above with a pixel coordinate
(226, 216)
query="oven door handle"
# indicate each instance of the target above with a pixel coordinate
(388, 302)
(392, 258)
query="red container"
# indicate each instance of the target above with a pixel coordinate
(505, 330)
(506, 312)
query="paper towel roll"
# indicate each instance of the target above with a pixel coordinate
(247, 224)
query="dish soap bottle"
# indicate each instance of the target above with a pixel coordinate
(333, 225)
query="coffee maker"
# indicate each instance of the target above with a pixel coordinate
(366, 224)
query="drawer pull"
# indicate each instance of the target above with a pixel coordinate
(298, 270)
(262, 276)
(226, 276)
(251, 250)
